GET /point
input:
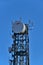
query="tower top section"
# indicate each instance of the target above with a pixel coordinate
(19, 27)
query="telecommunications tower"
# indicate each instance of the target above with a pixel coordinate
(19, 50)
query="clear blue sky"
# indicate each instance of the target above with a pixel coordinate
(27, 9)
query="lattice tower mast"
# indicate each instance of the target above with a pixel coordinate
(20, 48)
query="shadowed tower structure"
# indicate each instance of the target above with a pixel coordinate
(19, 50)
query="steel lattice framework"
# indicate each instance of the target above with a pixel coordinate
(20, 49)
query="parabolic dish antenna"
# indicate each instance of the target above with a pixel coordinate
(18, 27)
